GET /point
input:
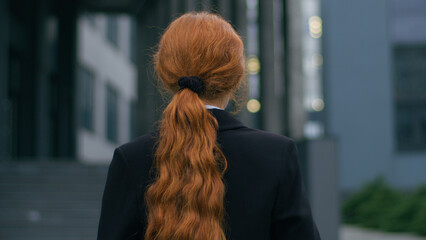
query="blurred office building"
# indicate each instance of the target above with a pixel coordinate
(68, 82)
(375, 90)
(106, 77)
(77, 77)
(68, 89)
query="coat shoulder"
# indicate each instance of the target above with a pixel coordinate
(264, 151)
(139, 150)
(260, 138)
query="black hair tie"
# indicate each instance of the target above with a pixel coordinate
(193, 83)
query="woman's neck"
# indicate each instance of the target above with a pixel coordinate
(218, 102)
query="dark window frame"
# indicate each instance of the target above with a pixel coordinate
(133, 40)
(133, 106)
(86, 85)
(112, 99)
(112, 30)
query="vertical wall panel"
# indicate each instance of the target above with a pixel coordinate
(4, 46)
(271, 91)
(67, 13)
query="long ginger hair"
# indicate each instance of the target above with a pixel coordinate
(186, 199)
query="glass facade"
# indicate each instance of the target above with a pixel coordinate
(410, 96)
(408, 21)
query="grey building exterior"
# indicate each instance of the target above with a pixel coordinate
(379, 123)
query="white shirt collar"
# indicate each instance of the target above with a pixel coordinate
(212, 107)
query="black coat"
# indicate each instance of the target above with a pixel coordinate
(265, 198)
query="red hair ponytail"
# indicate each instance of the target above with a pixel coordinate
(186, 200)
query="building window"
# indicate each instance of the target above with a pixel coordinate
(112, 29)
(133, 31)
(91, 19)
(111, 114)
(86, 80)
(132, 121)
(410, 97)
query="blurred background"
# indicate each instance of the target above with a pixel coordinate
(345, 79)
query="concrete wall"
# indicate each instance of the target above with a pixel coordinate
(110, 65)
(408, 170)
(358, 87)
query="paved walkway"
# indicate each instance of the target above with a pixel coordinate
(354, 233)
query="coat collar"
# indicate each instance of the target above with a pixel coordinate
(225, 120)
